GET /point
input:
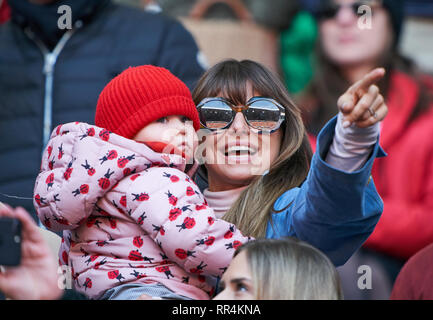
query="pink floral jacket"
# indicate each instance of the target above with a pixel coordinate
(129, 214)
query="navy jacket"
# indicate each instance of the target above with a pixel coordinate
(40, 88)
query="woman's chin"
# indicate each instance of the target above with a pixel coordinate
(238, 159)
(232, 175)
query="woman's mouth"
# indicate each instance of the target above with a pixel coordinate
(240, 151)
(239, 154)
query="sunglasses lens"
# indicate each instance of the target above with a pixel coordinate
(328, 11)
(263, 115)
(215, 114)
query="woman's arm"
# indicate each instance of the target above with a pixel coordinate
(351, 146)
(334, 210)
(337, 208)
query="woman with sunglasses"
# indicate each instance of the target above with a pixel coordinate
(258, 173)
(404, 179)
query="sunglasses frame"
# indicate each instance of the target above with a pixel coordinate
(243, 109)
(355, 6)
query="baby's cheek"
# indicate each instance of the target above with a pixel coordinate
(168, 135)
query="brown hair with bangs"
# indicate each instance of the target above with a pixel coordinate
(252, 211)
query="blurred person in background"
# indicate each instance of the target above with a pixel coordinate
(279, 269)
(415, 280)
(404, 179)
(5, 11)
(52, 74)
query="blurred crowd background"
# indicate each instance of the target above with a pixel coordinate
(283, 34)
(273, 20)
(271, 24)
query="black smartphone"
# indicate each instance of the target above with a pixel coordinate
(10, 242)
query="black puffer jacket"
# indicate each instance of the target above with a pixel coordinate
(83, 61)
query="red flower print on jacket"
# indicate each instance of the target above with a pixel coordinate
(61, 152)
(89, 133)
(90, 170)
(159, 229)
(49, 150)
(123, 201)
(233, 245)
(172, 177)
(188, 223)
(87, 284)
(104, 134)
(123, 161)
(207, 241)
(135, 255)
(137, 241)
(229, 233)
(104, 182)
(140, 197)
(171, 198)
(199, 268)
(115, 274)
(112, 154)
(166, 270)
(50, 181)
(83, 189)
(174, 213)
(190, 191)
(69, 169)
(183, 254)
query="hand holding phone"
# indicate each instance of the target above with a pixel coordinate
(36, 275)
(10, 241)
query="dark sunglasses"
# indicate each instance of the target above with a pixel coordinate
(330, 9)
(263, 114)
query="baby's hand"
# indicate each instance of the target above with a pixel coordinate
(362, 103)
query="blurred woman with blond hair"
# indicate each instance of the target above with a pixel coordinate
(280, 269)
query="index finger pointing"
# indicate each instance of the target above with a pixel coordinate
(369, 79)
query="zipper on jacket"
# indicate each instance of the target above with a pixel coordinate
(50, 59)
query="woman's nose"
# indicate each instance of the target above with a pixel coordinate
(345, 16)
(239, 123)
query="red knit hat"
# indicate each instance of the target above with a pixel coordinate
(141, 95)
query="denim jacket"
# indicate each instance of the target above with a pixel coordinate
(333, 210)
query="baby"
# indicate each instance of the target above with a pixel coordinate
(134, 222)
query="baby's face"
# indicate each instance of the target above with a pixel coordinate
(175, 130)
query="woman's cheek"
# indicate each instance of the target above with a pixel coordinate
(206, 151)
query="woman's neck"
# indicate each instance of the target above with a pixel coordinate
(215, 184)
(355, 73)
(222, 201)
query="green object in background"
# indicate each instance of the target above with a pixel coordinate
(297, 44)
